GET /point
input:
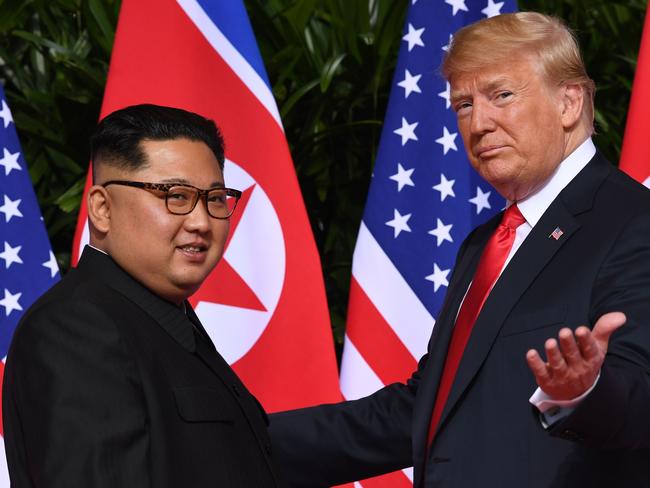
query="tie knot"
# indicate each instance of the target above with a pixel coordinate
(512, 218)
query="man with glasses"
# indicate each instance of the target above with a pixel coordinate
(111, 380)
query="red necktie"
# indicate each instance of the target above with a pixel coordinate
(489, 267)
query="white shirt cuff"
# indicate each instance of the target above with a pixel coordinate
(554, 410)
(544, 402)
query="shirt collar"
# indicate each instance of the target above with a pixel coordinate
(97, 249)
(534, 206)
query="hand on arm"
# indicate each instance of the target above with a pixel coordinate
(574, 361)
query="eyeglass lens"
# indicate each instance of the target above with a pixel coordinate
(181, 200)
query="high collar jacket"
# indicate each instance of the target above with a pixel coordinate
(108, 385)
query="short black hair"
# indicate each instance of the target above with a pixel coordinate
(116, 140)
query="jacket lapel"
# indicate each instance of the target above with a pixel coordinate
(439, 342)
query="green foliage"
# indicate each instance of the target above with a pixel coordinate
(53, 64)
(330, 63)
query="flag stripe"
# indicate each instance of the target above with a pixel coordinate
(232, 20)
(239, 65)
(396, 479)
(391, 294)
(386, 354)
(364, 381)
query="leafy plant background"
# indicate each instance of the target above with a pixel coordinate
(330, 63)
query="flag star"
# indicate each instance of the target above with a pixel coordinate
(447, 140)
(10, 161)
(10, 302)
(414, 37)
(457, 5)
(399, 223)
(5, 115)
(442, 232)
(10, 255)
(445, 187)
(10, 208)
(492, 8)
(446, 95)
(52, 265)
(410, 83)
(407, 131)
(438, 277)
(446, 46)
(481, 200)
(403, 177)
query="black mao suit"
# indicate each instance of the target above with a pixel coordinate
(489, 435)
(108, 385)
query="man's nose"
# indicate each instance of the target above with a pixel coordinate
(482, 119)
(198, 219)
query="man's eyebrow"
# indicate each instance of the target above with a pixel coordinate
(483, 88)
(183, 181)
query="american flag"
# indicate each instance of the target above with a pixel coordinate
(423, 200)
(27, 265)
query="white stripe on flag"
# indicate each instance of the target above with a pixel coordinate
(647, 182)
(230, 55)
(357, 377)
(4, 471)
(391, 294)
(409, 473)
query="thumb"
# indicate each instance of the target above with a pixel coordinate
(606, 325)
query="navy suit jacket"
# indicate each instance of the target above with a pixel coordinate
(489, 434)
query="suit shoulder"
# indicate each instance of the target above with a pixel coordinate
(73, 305)
(622, 190)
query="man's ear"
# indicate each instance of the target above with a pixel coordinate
(573, 99)
(99, 208)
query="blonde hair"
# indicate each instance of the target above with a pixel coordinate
(498, 39)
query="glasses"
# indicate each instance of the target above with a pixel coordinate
(181, 199)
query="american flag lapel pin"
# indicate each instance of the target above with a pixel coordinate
(556, 234)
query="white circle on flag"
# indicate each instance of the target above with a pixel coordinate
(257, 253)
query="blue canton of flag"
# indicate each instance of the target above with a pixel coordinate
(27, 264)
(425, 197)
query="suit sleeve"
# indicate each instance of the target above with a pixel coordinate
(338, 443)
(349, 441)
(615, 413)
(73, 406)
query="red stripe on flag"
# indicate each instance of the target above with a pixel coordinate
(375, 339)
(2, 375)
(635, 156)
(391, 480)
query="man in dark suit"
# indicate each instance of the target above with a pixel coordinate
(573, 247)
(111, 380)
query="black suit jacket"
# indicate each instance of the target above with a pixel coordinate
(108, 385)
(489, 435)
